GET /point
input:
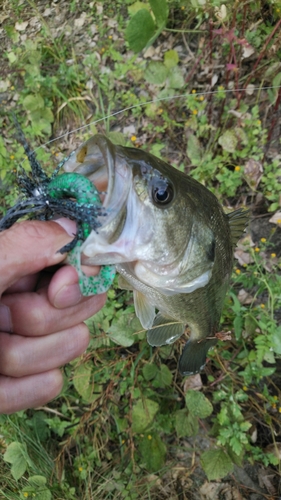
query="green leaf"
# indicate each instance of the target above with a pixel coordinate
(82, 380)
(198, 404)
(160, 10)
(156, 72)
(153, 452)
(194, 149)
(37, 488)
(276, 340)
(135, 7)
(16, 455)
(185, 423)
(33, 102)
(171, 58)
(175, 79)
(123, 331)
(164, 376)
(149, 371)
(216, 464)
(117, 138)
(143, 413)
(140, 30)
(228, 141)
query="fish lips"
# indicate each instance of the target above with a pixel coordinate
(98, 159)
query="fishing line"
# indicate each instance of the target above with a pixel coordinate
(153, 101)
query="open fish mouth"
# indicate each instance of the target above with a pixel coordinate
(102, 162)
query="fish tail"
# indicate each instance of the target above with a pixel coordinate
(193, 358)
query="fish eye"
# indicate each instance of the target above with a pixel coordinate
(162, 195)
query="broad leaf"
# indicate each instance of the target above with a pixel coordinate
(153, 452)
(156, 72)
(16, 455)
(143, 413)
(185, 423)
(216, 464)
(198, 404)
(160, 10)
(140, 30)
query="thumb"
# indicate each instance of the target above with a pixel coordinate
(28, 247)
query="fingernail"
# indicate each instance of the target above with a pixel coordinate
(5, 319)
(68, 225)
(67, 296)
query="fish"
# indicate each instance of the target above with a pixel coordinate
(170, 240)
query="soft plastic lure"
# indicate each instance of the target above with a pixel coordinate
(86, 194)
(68, 195)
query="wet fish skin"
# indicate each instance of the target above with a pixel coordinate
(189, 237)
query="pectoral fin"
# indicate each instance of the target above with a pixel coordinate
(193, 358)
(164, 331)
(145, 311)
(123, 283)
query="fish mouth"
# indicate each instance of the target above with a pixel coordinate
(103, 163)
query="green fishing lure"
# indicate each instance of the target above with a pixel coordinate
(67, 195)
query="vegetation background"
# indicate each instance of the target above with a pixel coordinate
(196, 82)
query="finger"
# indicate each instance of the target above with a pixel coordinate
(22, 356)
(32, 314)
(29, 246)
(64, 290)
(29, 392)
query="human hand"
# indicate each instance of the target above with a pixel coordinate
(41, 313)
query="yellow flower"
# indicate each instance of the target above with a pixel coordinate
(133, 138)
(245, 388)
(237, 168)
(195, 112)
(183, 7)
(257, 249)
(110, 36)
(25, 494)
(262, 306)
(149, 437)
(221, 87)
(12, 157)
(278, 221)
(80, 469)
(193, 91)
(12, 87)
(263, 240)
(273, 406)
(279, 409)
(275, 398)
(273, 255)
(201, 98)
(237, 271)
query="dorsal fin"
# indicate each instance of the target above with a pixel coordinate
(238, 221)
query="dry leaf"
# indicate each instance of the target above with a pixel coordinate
(79, 22)
(244, 297)
(253, 173)
(274, 448)
(247, 51)
(250, 89)
(21, 26)
(193, 383)
(267, 480)
(276, 219)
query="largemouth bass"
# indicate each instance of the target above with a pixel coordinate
(170, 239)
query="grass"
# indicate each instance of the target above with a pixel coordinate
(127, 425)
